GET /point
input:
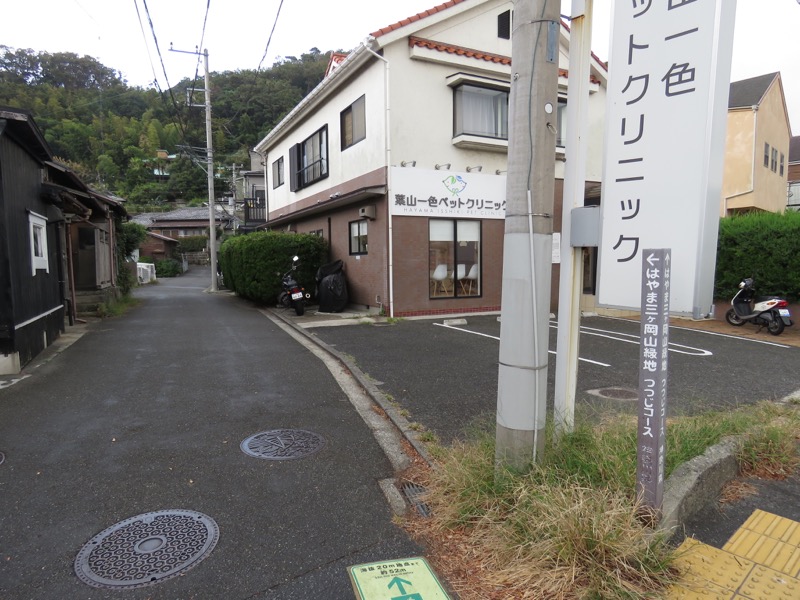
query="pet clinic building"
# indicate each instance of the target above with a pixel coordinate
(398, 159)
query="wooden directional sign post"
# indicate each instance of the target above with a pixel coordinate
(653, 359)
(397, 579)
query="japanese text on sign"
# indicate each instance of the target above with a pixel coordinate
(654, 351)
(662, 81)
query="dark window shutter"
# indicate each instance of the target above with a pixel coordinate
(504, 25)
(293, 167)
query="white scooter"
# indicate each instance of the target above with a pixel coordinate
(770, 312)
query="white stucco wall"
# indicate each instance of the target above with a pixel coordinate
(421, 107)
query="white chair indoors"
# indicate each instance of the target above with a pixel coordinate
(472, 278)
(440, 277)
(461, 273)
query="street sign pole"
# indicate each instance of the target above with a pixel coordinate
(653, 359)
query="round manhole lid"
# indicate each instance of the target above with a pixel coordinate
(283, 444)
(616, 393)
(146, 549)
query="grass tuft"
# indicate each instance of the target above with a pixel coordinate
(571, 526)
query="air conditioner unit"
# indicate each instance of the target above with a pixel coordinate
(367, 212)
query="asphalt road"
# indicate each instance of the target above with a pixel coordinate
(146, 412)
(446, 376)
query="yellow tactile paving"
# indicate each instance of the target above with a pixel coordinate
(769, 540)
(768, 584)
(708, 568)
(761, 561)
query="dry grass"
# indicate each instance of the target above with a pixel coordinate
(527, 536)
(570, 528)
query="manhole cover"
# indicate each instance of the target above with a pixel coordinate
(146, 549)
(616, 393)
(283, 444)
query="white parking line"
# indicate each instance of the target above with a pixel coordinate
(494, 337)
(725, 335)
(620, 337)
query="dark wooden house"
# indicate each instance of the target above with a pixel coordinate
(57, 241)
(32, 245)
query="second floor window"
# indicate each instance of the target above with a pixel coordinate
(308, 160)
(277, 173)
(481, 111)
(354, 123)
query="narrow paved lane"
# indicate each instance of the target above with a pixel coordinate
(146, 412)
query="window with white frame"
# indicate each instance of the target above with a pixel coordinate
(277, 173)
(561, 123)
(766, 155)
(774, 160)
(358, 237)
(481, 111)
(354, 123)
(308, 160)
(37, 225)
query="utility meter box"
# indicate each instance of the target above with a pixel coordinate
(585, 227)
(367, 212)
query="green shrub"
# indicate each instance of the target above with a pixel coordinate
(192, 243)
(146, 259)
(764, 246)
(168, 268)
(252, 265)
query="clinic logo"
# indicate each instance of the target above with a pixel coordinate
(454, 184)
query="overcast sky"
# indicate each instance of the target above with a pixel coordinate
(236, 34)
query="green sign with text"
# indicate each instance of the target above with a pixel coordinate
(397, 579)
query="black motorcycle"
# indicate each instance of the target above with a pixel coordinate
(293, 294)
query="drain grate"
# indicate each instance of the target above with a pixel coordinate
(414, 493)
(146, 549)
(283, 444)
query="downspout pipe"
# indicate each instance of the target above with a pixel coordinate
(387, 125)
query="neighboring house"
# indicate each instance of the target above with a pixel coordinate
(183, 222)
(158, 247)
(398, 158)
(793, 187)
(50, 224)
(32, 255)
(756, 147)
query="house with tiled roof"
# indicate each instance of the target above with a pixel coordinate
(755, 175)
(183, 222)
(399, 157)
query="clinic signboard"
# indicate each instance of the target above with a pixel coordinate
(669, 75)
(451, 194)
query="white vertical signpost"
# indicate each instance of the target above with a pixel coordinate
(669, 74)
(653, 362)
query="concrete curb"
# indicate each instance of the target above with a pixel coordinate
(697, 483)
(379, 398)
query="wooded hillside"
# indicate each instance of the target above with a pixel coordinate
(109, 132)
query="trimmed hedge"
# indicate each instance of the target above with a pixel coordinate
(192, 243)
(169, 267)
(764, 246)
(252, 264)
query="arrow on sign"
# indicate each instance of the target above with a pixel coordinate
(651, 259)
(399, 583)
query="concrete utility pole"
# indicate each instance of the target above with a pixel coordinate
(212, 221)
(528, 242)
